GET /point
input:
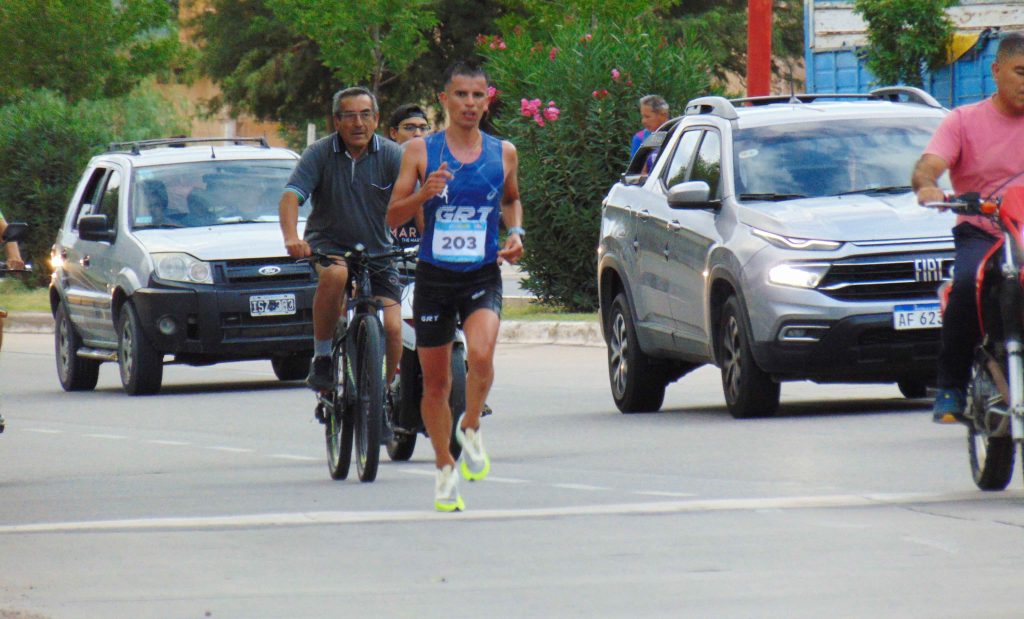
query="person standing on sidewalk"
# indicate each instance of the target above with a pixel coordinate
(469, 182)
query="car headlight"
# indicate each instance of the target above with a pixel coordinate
(799, 275)
(787, 242)
(182, 268)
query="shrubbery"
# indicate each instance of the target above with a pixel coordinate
(45, 143)
(593, 76)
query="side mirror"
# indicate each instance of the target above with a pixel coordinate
(95, 228)
(14, 231)
(691, 194)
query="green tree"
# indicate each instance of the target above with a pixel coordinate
(45, 143)
(84, 49)
(362, 41)
(905, 37)
(595, 76)
(261, 65)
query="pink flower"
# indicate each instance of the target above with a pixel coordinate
(615, 74)
(529, 108)
(553, 53)
(501, 45)
(600, 94)
(552, 112)
(539, 119)
(586, 37)
(492, 94)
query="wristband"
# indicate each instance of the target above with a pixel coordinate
(518, 230)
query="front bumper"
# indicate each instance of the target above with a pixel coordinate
(862, 348)
(214, 324)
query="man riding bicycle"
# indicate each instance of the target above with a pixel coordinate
(349, 175)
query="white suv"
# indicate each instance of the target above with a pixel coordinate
(776, 237)
(172, 248)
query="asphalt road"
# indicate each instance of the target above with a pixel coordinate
(213, 500)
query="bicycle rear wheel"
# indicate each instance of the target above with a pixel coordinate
(338, 426)
(368, 346)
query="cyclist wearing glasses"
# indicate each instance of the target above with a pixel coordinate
(469, 181)
(349, 175)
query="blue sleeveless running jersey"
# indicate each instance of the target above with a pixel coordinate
(461, 223)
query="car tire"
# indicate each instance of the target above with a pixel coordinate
(74, 372)
(294, 367)
(637, 381)
(749, 391)
(142, 367)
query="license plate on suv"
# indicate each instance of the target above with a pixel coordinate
(917, 316)
(272, 305)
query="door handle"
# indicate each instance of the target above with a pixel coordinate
(643, 215)
(674, 226)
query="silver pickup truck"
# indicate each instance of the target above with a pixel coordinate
(777, 238)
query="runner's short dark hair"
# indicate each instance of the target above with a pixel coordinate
(466, 69)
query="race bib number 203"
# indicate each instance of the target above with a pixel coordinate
(459, 241)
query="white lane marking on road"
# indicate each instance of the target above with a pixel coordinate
(237, 450)
(586, 487)
(490, 478)
(43, 431)
(293, 457)
(931, 544)
(171, 443)
(664, 494)
(112, 437)
(668, 507)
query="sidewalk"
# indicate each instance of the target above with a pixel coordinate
(570, 333)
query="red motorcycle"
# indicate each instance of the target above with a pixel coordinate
(994, 412)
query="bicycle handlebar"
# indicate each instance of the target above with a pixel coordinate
(966, 204)
(360, 256)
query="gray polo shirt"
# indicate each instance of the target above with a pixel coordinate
(350, 196)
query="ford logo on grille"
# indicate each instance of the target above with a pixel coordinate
(271, 270)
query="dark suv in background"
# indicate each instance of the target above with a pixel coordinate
(776, 237)
(172, 248)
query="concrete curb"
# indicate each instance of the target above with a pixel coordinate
(567, 333)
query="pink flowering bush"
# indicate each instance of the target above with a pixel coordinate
(578, 92)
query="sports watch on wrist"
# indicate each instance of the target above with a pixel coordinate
(518, 230)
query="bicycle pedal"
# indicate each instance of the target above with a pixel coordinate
(319, 414)
(487, 411)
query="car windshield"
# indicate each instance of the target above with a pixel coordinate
(829, 158)
(208, 193)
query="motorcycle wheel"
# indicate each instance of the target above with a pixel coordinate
(989, 443)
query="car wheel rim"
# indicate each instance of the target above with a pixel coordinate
(126, 352)
(617, 351)
(65, 348)
(732, 359)
(980, 449)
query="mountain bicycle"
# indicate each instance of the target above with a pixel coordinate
(353, 411)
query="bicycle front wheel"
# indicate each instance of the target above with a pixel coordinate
(338, 426)
(368, 358)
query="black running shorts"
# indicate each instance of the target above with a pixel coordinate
(444, 298)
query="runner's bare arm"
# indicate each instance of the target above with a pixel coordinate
(406, 201)
(511, 207)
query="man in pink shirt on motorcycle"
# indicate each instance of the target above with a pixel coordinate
(980, 145)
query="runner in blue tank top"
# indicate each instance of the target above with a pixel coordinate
(468, 179)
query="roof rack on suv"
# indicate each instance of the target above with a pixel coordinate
(726, 108)
(136, 146)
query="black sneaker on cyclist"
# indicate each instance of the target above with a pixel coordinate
(387, 433)
(320, 378)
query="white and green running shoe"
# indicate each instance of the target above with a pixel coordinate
(446, 491)
(474, 463)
